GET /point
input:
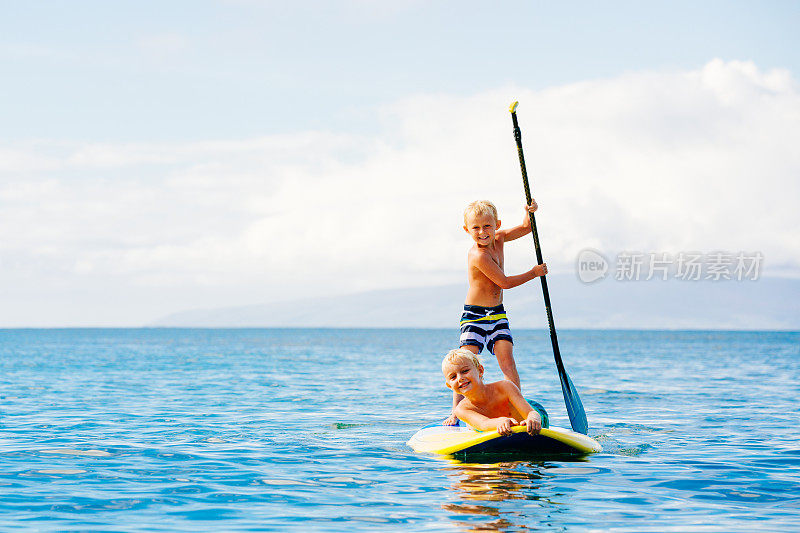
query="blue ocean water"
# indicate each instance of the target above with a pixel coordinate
(187, 430)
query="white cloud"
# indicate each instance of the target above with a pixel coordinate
(656, 161)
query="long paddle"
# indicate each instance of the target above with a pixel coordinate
(577, 416)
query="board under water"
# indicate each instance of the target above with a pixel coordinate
(462, 440)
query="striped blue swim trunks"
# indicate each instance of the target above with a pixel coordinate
(484, 326)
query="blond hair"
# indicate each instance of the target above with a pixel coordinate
(460, 354)
(480, 207)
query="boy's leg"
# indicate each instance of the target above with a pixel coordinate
(472, 348)
(504, 351)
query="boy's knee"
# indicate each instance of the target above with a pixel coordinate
(472, 348)
(505, 355)
(502, 345)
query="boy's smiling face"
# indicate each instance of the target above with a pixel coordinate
(461, 376)
(481, 228)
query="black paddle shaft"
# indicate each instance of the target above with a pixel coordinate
(577, 415)
(545, 292)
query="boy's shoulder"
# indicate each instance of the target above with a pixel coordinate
(502, 391)
(503, 386)
(476, 252)
(464, 406)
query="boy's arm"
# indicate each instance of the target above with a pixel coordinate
(523, 229)
(491, 270)
(532, 421)
(482, 422)
(452, 420)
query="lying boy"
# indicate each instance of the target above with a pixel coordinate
(488, 406)
(484, 320)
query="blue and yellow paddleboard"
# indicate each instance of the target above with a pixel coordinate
(462, 440)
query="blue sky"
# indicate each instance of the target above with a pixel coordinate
(156, 157)
(200, 69)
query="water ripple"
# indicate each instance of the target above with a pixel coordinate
(181, 430)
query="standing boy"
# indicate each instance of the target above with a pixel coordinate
(484, 320)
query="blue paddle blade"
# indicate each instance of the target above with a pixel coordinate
(577, 416)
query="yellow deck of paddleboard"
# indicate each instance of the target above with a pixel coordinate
(446, 440)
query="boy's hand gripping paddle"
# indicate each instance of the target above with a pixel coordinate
(577, 416)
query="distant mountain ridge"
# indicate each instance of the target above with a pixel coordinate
(765, 304)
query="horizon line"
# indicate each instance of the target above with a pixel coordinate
(377, 328)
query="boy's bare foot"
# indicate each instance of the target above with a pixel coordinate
(451, 420)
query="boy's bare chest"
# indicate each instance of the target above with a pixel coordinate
(497, 407)
(496, 255)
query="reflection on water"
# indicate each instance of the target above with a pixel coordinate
(516, 495)
(478, 486)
